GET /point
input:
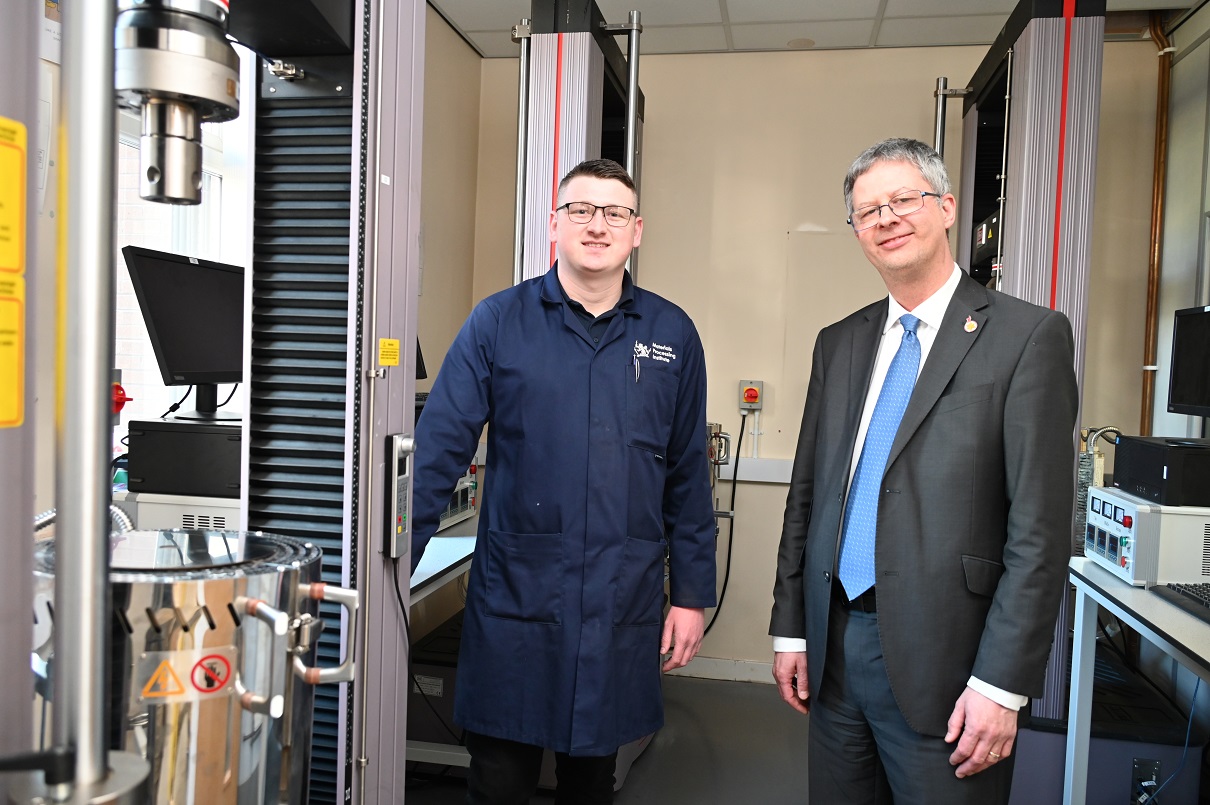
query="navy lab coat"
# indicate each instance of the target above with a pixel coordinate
(594, 472)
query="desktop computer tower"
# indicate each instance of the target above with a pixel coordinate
(184, 458)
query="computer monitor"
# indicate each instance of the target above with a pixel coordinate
(194, 311)
(1189, 382)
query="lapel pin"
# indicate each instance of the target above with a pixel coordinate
(970, 326)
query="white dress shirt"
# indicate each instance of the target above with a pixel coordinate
(930, 312)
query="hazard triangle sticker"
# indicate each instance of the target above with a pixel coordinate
(164, 682)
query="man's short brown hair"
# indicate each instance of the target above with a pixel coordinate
(600, 169)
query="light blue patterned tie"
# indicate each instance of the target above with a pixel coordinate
(861, 512)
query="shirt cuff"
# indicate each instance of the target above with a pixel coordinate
(1012, 701)
(789, 644)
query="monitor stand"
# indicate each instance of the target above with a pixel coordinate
(205, 398)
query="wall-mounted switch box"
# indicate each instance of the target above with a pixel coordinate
(751, 395)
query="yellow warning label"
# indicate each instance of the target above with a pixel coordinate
(388, 352)
(164, 682)
(12, 351)
(13, 172)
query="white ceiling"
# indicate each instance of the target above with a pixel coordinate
(700, 26)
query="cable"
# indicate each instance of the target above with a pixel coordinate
(229, 396)
(176, 406)
(1185, 751)
(743, 425)
(407, 631)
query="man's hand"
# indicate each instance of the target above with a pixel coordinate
(683, 630)
(987, 729)
(790, 673)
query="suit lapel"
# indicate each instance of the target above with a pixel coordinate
(863, 350)
(949, 349)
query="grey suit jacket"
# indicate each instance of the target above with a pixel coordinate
(974, 519)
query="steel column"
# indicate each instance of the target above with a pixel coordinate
(83, 429)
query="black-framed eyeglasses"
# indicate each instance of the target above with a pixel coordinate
(581, 212)
(904, 203)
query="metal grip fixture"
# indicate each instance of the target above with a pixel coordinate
(173, 63)
(347, 670)
(274, 704)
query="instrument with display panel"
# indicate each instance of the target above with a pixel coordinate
(1144, 543)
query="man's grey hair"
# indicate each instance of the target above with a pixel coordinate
(899, 149)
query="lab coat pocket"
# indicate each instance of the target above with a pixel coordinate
(650, 407)
(524, 576)
(982, 575)
(640, 583)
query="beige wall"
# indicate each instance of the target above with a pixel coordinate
(449, 180)
(1117, 295)
(744, 156)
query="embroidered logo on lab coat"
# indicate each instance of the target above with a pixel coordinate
(656, 352)
(660, 352)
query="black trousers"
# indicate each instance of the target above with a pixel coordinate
(506, 773)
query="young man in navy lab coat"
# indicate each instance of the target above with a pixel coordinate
(595, 393)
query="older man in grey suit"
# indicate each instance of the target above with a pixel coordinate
(926, 533)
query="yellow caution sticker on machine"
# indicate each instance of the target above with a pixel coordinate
(388, 352)
(12, 351)
(13, 172)
(14, 169)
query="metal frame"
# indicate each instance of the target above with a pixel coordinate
(1044, 238)
(18, 102)
(387, 309)
(561, 84)
(1177, 634)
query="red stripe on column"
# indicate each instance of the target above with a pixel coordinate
(1069, 12)
(554, 170)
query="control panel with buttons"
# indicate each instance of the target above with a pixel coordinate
(1144, 543)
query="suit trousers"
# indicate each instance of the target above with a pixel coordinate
(506, 773)
(861, 750)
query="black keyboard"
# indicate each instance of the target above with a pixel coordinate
(1193, 598)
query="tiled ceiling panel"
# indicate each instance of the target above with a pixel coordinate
(482, 15)
(945, 8)
(841, 34)
(695, 26)
(495, 44)
(797, 10)
(923, 31)
(664, 12)
(682, 39)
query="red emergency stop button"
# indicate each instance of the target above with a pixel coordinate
(119, 398)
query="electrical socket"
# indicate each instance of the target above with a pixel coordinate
(1144, 779)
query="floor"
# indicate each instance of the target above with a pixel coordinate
(722, 742)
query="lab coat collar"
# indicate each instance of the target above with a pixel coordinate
(552, 291)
